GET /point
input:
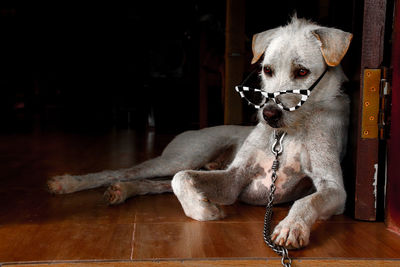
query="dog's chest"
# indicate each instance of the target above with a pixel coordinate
(289, 172)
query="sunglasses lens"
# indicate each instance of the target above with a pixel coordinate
(254, 97)
(289, 100)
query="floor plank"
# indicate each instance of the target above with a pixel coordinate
(48, 242)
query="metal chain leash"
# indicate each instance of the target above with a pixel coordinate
(277, 149)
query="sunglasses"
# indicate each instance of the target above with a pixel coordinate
(288, 100)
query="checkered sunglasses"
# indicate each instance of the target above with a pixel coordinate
(295, 98)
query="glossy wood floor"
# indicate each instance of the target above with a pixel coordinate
(80, 229)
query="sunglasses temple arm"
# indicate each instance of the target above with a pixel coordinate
(318, 80)
(249, 76)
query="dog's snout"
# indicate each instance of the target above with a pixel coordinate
(272, 116)
(272, 113)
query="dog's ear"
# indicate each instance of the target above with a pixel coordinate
(334, 44)
(260, 43)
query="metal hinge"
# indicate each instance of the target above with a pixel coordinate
(375, 120)
(385, 94)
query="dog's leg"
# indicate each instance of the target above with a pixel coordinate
(157, 167)
(321, 163)
(294, 230)
(189, 150)
(63, 184)
(120, 191)
(201, 192)
(167, 164)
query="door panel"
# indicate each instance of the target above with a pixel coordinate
(393, 176)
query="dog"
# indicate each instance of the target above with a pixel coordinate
(238, 159)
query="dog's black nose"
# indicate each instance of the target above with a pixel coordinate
(272, 113)
(272, 116)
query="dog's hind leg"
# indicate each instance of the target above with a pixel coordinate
(120, 191)
(63, 184)
(158, 167)
(189, 150)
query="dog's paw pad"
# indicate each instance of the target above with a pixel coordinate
(291, 234)
(207, 211)
(114, 194)
(59, 184)
(54, 186)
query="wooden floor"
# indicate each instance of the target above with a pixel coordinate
(80, 229)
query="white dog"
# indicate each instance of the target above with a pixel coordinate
(301, 96)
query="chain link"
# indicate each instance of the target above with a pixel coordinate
(277, 149)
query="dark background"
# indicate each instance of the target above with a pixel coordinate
(75, 66)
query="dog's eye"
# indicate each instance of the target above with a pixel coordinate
(302, 72)
(267, 70)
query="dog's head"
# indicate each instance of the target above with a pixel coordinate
(295, 56)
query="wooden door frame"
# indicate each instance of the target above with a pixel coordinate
(373, 45)
(366, 162)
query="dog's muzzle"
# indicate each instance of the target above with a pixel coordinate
(272, 115)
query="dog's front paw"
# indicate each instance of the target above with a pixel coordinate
(291, 233)
(194, 203)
